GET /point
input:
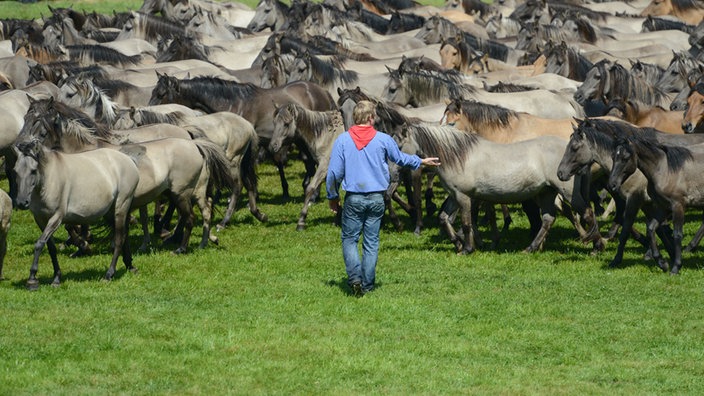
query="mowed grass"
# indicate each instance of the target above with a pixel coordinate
(267, 311)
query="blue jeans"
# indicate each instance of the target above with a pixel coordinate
(361, 215)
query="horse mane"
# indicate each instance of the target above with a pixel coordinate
(446, 142)
(502, 87)
(154, 26)
(90, 54)
(391, 118)
(483, 115)
(327, 71)
(434, 86)
(403, 22)
(686, 5)
(655, 24)
(626, 85)
(217, 87)
(149, 117)
(75, 124)
(649, 147)
(317, 122)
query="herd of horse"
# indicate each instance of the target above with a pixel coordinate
(176, 102)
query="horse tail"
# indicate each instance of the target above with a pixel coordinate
(195, 131)
(248, 166)
(217, 164)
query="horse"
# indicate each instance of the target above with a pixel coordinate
(694, 113)
(606, 81)
(474, 168)
(647, 116)
(149, 27)
(566, 61)
(328, 73)
(673, 182)
(255, 104)
(78, 188)
(184, 169)
(401, 22)
(421, 88)
(274, 71)
(5, 219)
(674, 77)
(235, 135)
(501, 125)
(593, 141)
(318, 130)
(688, 11)
(651, 24)
(271, 14)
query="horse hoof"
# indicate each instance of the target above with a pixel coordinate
(33, 284)
(219, 227)
(214, 239)
(263, 218)
(663, 265)
(55, 284)
(179, 251)
(300, 227)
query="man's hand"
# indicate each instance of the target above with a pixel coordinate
(334, 205)
(430, 161)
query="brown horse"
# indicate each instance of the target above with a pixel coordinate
(647, 116)
(689, 11)
(255, 104)
(694, 115)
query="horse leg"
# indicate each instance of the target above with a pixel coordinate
(47, 231)
(548, 212)
(186, 220)
(653, 225)
(468, 226)
(236, 191)
(311, 190)
(692, 245)
(144, 221)
(532, 211)
(284, 183)
(628, 218)
(677, 236)
(447, 211)
(311, 169)
(390, 208)
(78, 235)
(416, 185)
(430, 206)
(249, 179)
(120, 238)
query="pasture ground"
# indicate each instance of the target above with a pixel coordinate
(268, 312)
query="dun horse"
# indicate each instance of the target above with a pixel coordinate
(79, 188)
(318, 131)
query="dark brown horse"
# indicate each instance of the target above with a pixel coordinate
(255, 104)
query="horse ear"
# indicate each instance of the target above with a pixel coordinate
(389, 69)
(132, 111)
(31, 99)
(339, 91)
(358, 89)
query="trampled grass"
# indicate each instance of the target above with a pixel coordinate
(268, 312)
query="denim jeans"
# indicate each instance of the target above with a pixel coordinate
(361, 215)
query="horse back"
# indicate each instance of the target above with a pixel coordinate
(309, 95)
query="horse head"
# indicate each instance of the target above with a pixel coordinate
(165, 90)
(29, 155)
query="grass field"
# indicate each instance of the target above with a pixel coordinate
(267, 311)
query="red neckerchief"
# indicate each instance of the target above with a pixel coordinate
(362, 135)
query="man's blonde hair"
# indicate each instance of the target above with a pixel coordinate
(362, 111)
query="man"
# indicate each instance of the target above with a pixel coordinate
(359, 160)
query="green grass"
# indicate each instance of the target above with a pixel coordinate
(268, 312)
